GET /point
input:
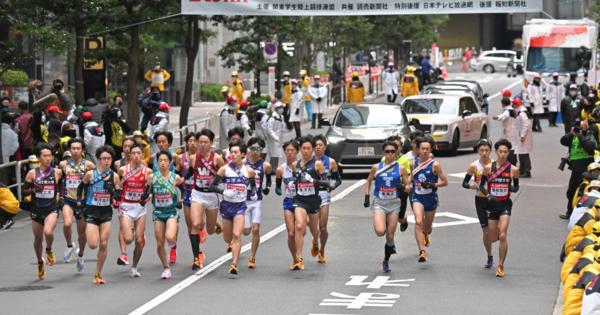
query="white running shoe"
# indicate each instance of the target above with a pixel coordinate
(68, 254)
(134, 273)
(166, 274)
(80, 264)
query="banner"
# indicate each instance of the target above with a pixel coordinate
(355, 7)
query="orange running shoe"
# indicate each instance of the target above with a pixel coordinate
(252, 263)
(321, 258)
(41, 271)
(422, 256)
(98, 279)
(51, 257)
(500, 271)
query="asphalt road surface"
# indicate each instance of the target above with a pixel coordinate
(351, 282)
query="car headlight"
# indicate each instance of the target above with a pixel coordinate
(440, 128)
(332, 139)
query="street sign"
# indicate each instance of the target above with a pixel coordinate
(270, 52)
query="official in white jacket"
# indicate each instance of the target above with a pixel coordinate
(555, 92)
(275, 127)
(524, 145)
(391, 82)
(227, 120)
(318, 93)
(93, 136)
(158, 123)
(507, 117)
(296, 105)
(534, 91)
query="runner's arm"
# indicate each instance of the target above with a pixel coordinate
(28, 185)
(368, 185)
(335, 174)
(484, 179)
(442, 179)
(278, 180)
(515, 179)
(467, 180)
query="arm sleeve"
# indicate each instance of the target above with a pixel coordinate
(252, 181)
(338, 179)
(466, 181)
(81, 189)
(269, 180)
(515, 185)
(214, 186)
(484, 180)
(278, 182)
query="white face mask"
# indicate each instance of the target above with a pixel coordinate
(43, 119)
(279, 110)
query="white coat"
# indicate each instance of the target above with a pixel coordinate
(10, 142)
(524, 127)
(555, 92)
(93, 137)
(391, 82)
(535, 98)
(296, 104)
(508, 125)
(159, 123)
(318, 92)
(275, 127)
(260, 125)
(227, 121)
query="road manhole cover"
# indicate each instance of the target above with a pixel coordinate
(25, 288)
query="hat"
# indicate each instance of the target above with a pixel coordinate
(244, 104)
(278, 104)
(54, 109)
(294, 81)
(506, 93)
(164, 107)
(316, 77)
(137, 133)
(354, 73)
(86, 116)
(156, 68)
(537, 75)
(595, 183)
(67, 154)
(231, 99)
(33, 159)
(517, 101)
(234, 74)
(573, 87)
(286, 73)
(263, 104)
(555, 74)
(390, 64)
(410, 69)
(303, 72)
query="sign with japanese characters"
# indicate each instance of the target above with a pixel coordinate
(356, 7)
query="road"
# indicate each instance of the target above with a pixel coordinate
(351, 282)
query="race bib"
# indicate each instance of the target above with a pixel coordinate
(419, 190)
(498, 190)
(102, 199)
(47, 192)
(290, 189)
(203, 181)
(306, 189)
(134, 194)
(72, 181)
(163, 200)
(386, 193)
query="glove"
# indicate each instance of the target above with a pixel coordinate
(179, 205)
(277, 191)
(367, 202)
(266, 190)
(297, 112)
(427, 185)
(229, 194)
(319, 99)
(254, 196)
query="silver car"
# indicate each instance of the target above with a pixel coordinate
(358, 131)
(494, 60)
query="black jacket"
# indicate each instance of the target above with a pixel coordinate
(586, 141)
(569, 113)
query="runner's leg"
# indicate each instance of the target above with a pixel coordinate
(419, 213)
(323, 232)
(103, 246)
(140, 241)
(236, 242)
(159, 233)
(300, 230)
(503, 237)
(290, 226)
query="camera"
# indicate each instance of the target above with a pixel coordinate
(563, 162)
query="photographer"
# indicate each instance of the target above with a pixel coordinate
(149, 101)
(581, 146)
(115, 127)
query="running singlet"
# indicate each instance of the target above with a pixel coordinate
(387, 182)
(45, 188)
(478, 172)
(305, 178)
(73, 175)
(204, 171)
(499, 181)
(423, 174)
(134, 184)
(100, 194)
(259, 175)
(164, 193)
(289, 186)
(236, 183)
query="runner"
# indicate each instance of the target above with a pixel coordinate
(191, 147)
(501, 178)
(73, 170)
(166, 201)
(403, 158)
(331, 171)
(285, 175)
(426, 177)
(237, 178)
(136, 179)
(100, 185)
(253, 214)
(475, 169)
(41, 183)
(127, 144)
(308, 177)
(204, 202)
(390, 178)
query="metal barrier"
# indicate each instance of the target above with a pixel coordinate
(17, 165)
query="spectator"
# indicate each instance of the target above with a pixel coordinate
(24, 123)
(555, 94)
(53, 122)
(5, 102)
(96, 109)
(534, 91)
(391, 82)
(318, 93)
(115, 127)
(159, 122)
(523, 137)
(93, 135)
(425, 71)
(10, 139)
(570, 108)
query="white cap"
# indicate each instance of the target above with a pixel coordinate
(316, 77)
(390, 64)
(573, 87)
(555, 74)
(278, 104)
(537, 75)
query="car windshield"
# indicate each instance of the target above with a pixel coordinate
(369, 116)
(430, 106)
(552, 59)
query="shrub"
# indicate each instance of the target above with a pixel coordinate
(14, 78)
(211, 92)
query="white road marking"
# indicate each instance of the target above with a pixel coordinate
(460, 219)
(459, 175)
(508, 87)
(221, 260)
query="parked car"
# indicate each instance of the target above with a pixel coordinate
(473, 85)
(358, 131)
(454, 121)
(490, 61)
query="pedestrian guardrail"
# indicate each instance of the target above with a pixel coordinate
(18, 165)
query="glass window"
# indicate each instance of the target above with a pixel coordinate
(552, 59)
(369, 115)
(469, 104)
(430, 106)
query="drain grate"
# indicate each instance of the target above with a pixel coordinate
(22, 288)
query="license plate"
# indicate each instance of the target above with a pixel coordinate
(364, 151)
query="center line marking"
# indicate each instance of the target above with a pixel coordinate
(223, 259)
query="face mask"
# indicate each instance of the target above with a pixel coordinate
(573, 93)
(555, 78)
(43, 119)
(536, 82)
(279, 110)
(119, 114)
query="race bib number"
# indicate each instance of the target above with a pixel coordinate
(290, 189)
(134, 194)
(163, 200)
(102, 199)
(203, 181)
(498, 190)
(387, 193)
(47, 192)
(419, 190)
(306, 189)
(72, 181)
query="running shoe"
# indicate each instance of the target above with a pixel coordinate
(315, 248)
(51, 258)
(292, 266)
(426, 240)
(166, 274)
(98, 279)
(8, 223)
(299, 265)
(80, 264)
(422, 256)
(68, 254)
(198, 261)
(490, 262)
(122, 260)
(386, 266)
(134, 273)
(173, 255)
(403, 226)
(228, 248)
(321, 259)
(202, 233)
(233, 269)
(252, 263)
(500, 271)
(218, 227)
(41, 271)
